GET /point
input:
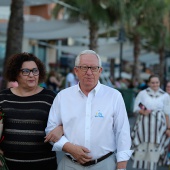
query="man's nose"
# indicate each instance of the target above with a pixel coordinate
(89, 71)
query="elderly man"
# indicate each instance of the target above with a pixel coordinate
(94, 118)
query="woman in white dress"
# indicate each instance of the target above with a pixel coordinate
(150, 132)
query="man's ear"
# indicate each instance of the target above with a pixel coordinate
(101, 69)
(75, 70)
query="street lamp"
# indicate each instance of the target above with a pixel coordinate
(121, 39)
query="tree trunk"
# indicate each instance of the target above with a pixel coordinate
(161, 52)
(14, 31)
(93, 33)
(112, 71)
(162, 66)
(136, 71)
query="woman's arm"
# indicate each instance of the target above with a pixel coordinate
(54, 135)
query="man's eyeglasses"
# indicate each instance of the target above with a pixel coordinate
(92, 68)
(26, 72)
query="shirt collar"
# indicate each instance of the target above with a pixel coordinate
(94, 90)
(153, 93)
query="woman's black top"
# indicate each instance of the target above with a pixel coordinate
(25, 121)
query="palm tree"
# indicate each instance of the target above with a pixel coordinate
(157, 34)
(95, 12)
(139, 14)
(14, 31)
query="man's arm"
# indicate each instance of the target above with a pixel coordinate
(54, 130)
(79, 153)
(122, 134)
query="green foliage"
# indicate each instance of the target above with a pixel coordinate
(99, 12)
(96, 13)
(145, 18)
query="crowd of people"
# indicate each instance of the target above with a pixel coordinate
(80, 116)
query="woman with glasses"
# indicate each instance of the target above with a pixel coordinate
(25, 109)
(152, 127)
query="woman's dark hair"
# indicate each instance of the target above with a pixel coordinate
(153, 76)
(15, 62)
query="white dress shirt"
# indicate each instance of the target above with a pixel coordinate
(98, 121)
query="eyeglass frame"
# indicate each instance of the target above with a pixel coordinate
(30, 70)
(98, 67)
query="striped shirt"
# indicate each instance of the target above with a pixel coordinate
(24, 124)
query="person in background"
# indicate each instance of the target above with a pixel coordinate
(167, 88)
(53, 82)
(120, 83)
(143, 85)
(70, 78)
(26, 109)
(1, 80)
(94, 118)
(152, 127)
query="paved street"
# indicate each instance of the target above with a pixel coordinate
(129, 167)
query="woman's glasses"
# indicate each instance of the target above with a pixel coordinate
(26, 71)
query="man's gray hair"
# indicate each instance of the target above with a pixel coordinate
(77, 60)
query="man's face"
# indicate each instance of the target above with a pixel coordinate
(88, 78)
(168, 88)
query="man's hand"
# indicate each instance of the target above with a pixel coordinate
(79, 153)
(54, 135)
(121, 165)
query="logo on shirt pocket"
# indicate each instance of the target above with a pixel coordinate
(99, 114)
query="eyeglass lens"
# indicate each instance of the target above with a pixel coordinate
(26, 71)
(92, 68)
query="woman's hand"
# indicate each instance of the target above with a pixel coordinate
(1, 153)
(54, 135)
(168, 132)
(145, 112)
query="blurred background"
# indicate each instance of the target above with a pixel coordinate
(132, 37)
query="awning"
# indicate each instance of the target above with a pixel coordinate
(53, 29)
